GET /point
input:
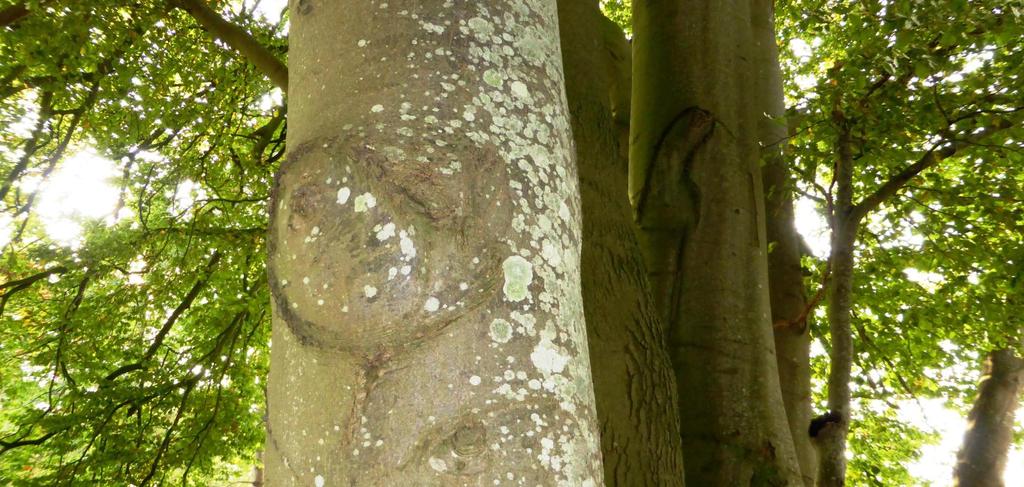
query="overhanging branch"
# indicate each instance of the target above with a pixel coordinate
(238, 39)
(931, 158)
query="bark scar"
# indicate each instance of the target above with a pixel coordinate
(669, 174)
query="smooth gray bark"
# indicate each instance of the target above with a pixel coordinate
(831, 440)
(633, 380)
(424, 252)
(695, 184)
(982, 458)
(785, 276)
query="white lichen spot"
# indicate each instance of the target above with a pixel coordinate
(518, 276)
(474, 380)
(406, 245)
(364, 202)
(438, 464)
(318, 481)
(551, 253)
(432, 28)
(547, 358)
(369, 291)
(519, 89)
(480, 26)
(501, 330)
(432, 304)
(361, 43)
(405, 270)
(343, 195)
(386, 232)
(492, 78)
(563, 211)
(377, 108)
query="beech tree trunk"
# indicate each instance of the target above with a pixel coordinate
(696, 188)
(982, 458)
(633, 380)
(424, 252)
(785, 275)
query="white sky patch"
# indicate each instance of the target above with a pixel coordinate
(930, 281)
(812, 226)
(24, 125)
(271, 100)
(976, 60)
(268, 10)
(80, 189)
(135, 271)
(6, 228)
(935, 466)
(186, 194)
(801, 49)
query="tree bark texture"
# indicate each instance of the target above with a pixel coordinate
(785, 275)
(831, 440)
(424, 252)
(982, 458)
(696, 189)
(633, 380)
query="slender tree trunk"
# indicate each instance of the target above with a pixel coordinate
(633, 380)
(831, 437)
(982, 458)
(695, 184)
(424, 256)
(785, 275)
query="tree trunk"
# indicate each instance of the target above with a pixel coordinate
(831, 436)
(695, 184)
(424, 253)
(633, 380)
(785, 275)
(982, 458)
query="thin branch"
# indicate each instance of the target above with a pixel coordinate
(10, 445)
(238, 39)
(185, 304)
(34, 277)
(930, 159)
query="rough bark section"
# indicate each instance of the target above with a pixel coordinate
(982, 458)
(424, 253)
(785, 276)
(633, 380)
(695, 183)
